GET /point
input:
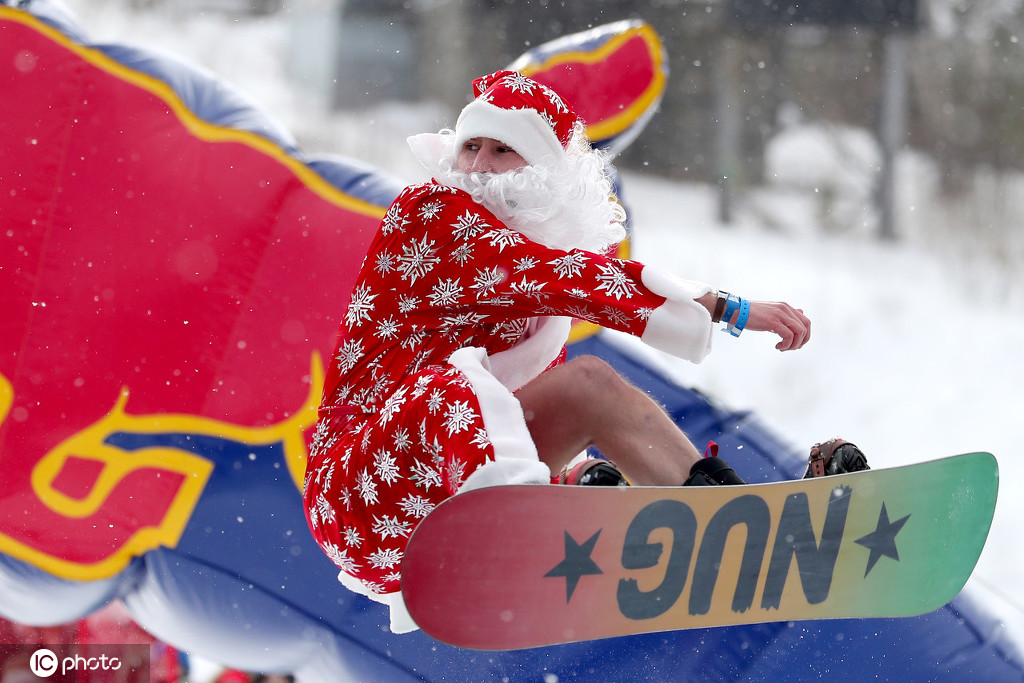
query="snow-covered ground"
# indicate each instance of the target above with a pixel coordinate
(915, 351)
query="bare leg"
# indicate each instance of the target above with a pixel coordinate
(586, 403)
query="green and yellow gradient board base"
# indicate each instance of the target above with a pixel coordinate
(515, 567)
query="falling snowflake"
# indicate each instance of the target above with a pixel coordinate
(416, 506)
(469, 225)
(570, 265)
(446, 292)
(360, 306)
(459, 417)
(387, 469)
(616, 282)
(417, 259)
(367, 487)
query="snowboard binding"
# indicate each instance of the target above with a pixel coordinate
(835, 456)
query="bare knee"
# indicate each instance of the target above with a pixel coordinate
(592, 373)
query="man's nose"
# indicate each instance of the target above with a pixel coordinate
(483, 162)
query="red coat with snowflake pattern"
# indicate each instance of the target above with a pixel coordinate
(401, 426)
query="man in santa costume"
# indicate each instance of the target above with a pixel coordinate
(448, 372)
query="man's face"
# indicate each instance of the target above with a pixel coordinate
(487, 155)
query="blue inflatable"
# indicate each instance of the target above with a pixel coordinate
(160, 366)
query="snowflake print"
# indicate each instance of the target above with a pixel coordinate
(394, 220)
(457, 322)
(417, 259)
(579, 293)
(504, 237)
(459, 417)
(385, 263)
(615, 316)
(349, 354)
(352, 537)
(469, 225)
(367, 488)
(581, 312)
(387, 328)
(570, 265)
(385, 558)
(425, 476)
(416, 506)
(526, 263)
(435, 401)
(519, 83)
(614, 281)
(486, 280)
(391, 406)
(481, 440)
(401, 440)
(407, 303)
(446, 293)
(456, 472)
(340, 557)
(531, 288)
(360, 307)
(430, 211)
(644, 313)
(390, 527)
(415, 337)
(556, 100)
(387, 469)
(463, 254)
(346, 498)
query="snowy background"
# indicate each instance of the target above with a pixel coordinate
(915, 349)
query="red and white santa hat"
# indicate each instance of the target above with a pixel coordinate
(526, 115)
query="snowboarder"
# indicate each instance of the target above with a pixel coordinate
(449, 369)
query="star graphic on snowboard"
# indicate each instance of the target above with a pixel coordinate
(882, 541)
(577, 563)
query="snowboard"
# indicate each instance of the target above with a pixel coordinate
(512, 567)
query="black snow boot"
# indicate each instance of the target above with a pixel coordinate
(836, 456)
(712, 471)
(593, 472)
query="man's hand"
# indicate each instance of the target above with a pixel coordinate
(789, 323)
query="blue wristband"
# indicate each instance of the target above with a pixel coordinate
(731, 304)
(741, 319)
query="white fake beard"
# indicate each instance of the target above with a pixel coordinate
(566, 208)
